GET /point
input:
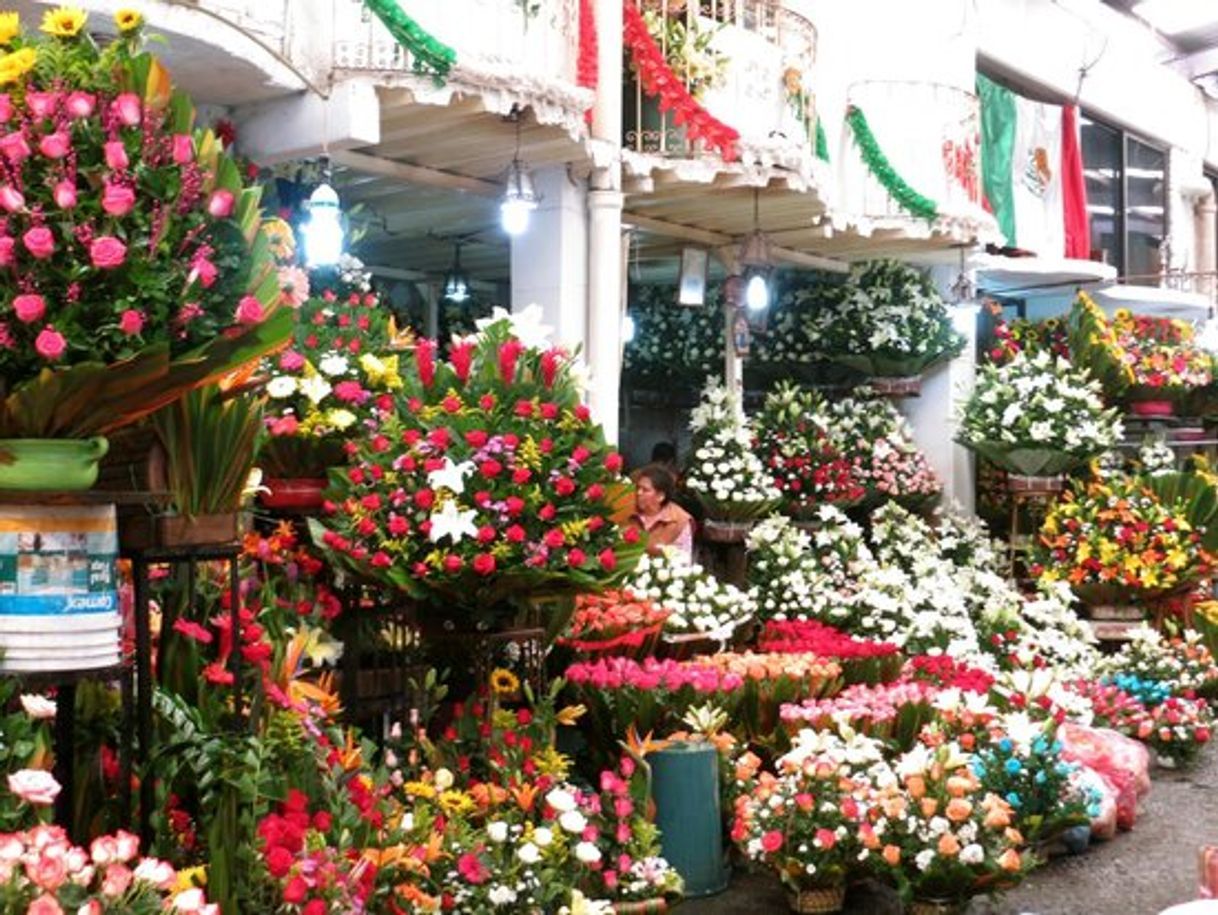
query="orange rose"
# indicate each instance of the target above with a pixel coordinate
(959, 810)
(892, 855)
(967, 741)
(1013, 835)
(949, 845)
(916, 786)
(894, 807)
(997, 818)
(930, 806)
(958, 786)
(1010, 860)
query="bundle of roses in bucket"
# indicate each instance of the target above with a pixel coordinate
(1037, 416)
(485, 483)
(135, 265)
(861, 660)
(887, 321)
(616, 622)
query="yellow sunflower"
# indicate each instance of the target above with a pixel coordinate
(16, 65)
(504, 682)
(279, 234)
(455, 803)
(419, 789)
(64, 21)
(128, 20)
(10, 27)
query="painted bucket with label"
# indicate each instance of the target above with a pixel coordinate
(59, 606)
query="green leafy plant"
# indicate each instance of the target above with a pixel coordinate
(211, 439)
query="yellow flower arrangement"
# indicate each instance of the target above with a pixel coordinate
(10, 27)
(64, 21)
(455, 803)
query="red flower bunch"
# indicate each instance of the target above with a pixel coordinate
(814, 637)
(310, 873)
(1175, 727)
(948, 673)
(1161, 352)
(484, 481)
(289, 576)
(659, 81)
(616, 622)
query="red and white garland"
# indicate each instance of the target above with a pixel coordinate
(659, 81)
(586, 69)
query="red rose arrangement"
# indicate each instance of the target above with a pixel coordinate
(616, 622)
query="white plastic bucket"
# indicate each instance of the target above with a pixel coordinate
(59, 608)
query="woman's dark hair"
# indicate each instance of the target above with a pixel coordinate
(661, 479)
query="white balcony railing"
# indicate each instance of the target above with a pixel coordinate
(533, 41)
(750, 63)
(931, 135)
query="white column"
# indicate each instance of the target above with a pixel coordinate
(431, 326)
(550, 259)
(606, 268)
(934, 415)
(605, 283)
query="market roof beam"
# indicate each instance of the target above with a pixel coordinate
(416, 174)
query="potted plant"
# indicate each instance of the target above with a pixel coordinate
(136, 267)
(211, 438)
(1036, 417)
(889, 323)
(724, 473)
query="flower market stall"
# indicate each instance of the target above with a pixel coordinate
(303, 611)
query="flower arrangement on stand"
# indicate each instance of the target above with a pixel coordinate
(337, 368)
(672, 345)
(783, 575)
(1183, 664)
(137, 269)
(1166, 363)
(1114, 542)
(797, 450)
(888, 322)
(724, 473)
(1037, 417)
(485, 483)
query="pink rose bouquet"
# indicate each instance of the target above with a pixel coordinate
(133, 265)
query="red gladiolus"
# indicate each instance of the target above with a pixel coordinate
(425, 361)
(509, 352)
(219, 675)
(551, 359)
(461, 355)
(193, 631)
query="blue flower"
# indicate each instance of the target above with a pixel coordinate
(1013, 766)
(1041, 778)
(1014, 800)
(1005, 745)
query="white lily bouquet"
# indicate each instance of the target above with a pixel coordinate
(724, 472)
(698, 603)
(888, 321)
(1037, 415)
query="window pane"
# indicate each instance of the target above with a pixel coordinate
(1145, 210)
(1102, 170)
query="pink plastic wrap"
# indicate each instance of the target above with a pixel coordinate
(1104, 825)
(1207, 871)
(1122, 761)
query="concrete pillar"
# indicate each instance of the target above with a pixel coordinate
(1205, 230)
(934, 416)
(550, 259)
(605, 307)
(431, 325)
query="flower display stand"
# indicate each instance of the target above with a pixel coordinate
(1035, 486)
(910, 386)
(818, 900)
(717, 531)
(1114, 622)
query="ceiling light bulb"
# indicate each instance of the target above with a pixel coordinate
(323, 232)
(757, 293)
(514, 214)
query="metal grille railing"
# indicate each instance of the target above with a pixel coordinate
(749, 62)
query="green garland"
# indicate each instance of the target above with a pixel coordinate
(877, 163)
(822, 142)
(429, 55)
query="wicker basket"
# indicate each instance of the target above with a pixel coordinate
(819, 900)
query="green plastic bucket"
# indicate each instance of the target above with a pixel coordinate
(685, 787)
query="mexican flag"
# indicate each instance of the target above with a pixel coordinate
(1032, 172)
